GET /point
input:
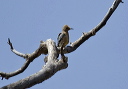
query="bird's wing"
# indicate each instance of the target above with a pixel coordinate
(60, 36)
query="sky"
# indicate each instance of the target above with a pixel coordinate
(99, 63)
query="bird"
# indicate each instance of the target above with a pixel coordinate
(63, 37)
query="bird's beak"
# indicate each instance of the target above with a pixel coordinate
(71, 29)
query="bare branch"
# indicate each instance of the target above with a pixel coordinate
(49, 69)
(29, 58)
(8, 75)
(41, 50)
(86, 36)
(14, 51)
(52, 63)
(9, 42)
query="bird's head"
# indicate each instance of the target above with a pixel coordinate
(67, 28)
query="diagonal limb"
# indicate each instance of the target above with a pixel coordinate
(86, 36)
(8, 75)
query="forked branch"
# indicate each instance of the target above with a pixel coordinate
(29, 58)
(49, 69)
(52, 63)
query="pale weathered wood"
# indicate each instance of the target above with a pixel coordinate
(49, 69)
(52, 63)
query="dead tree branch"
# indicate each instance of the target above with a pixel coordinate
(29, 58)
(86, 36)
(52, 63)
(49, 69)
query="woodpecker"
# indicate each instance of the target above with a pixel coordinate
(63, 37)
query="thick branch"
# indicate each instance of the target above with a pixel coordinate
(52, 63)
(92, 32)
(49, 69)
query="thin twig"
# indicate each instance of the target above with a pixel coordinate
(9, 42)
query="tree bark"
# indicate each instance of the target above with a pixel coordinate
(49, 69)
(52, 63)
